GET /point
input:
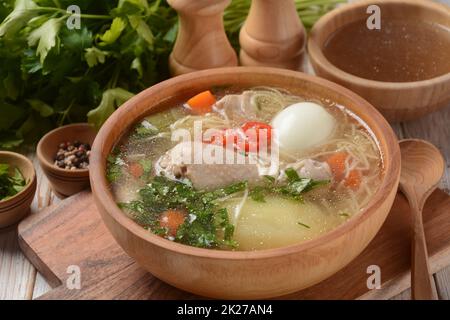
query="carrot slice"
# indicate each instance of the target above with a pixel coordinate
(202, 102)
(353, 180)
(172, 220)
(136, 169)
(337, 165)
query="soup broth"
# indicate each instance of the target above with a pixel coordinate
(401, 51)
(328, 167)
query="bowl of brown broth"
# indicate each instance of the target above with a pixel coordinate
(402, 68)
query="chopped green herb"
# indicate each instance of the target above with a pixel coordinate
(210, 228)
(10, 184)
(114, 169)
(303, 225)
(257, 194)
(344, 214)
(226, 191)
(291, 174)
(147, 167)
(296, 186)
(145, 129)
(293, 189)
(269, 179)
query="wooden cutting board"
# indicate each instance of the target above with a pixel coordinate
(72, 233)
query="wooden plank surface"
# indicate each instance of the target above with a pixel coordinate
(16, 273)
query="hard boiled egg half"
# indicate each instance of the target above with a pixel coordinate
(301, 126)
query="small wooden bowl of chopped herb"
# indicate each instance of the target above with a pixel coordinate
(64, 157)
(17, 187)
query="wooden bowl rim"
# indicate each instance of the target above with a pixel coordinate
(56, 171)
(316, 54)
(15, 200)
(104, 199)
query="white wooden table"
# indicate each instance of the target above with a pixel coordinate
(20, 280)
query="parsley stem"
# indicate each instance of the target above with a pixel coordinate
(82, 15)
(57, 4)
(303, 225)
(95, 16)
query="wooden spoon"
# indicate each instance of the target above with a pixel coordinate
(422, 168)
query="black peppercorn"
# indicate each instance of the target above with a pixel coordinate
(72, 155)
(79, 153)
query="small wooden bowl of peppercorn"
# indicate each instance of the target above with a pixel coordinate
(64, 157)
(17, 187)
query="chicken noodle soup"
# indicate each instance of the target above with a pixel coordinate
(327, 167)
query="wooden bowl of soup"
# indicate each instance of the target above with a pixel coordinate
(241, 230)
(403, 68)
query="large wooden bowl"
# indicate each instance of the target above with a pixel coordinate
(397, 101)
(257, 274)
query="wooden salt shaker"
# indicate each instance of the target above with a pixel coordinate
(273, 35)
(201, 42)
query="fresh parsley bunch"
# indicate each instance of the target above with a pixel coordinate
(51, 75)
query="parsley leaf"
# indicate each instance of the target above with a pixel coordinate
(293, 189)
(18, 18)
(303, 225)
(113, 33)
(114, 169)
(10, 184)
(45, 37)
(111, 99)
(257, 193)
(209, 229)
(95, 56)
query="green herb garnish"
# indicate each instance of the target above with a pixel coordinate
(144, 130)
(293, 189)
(10, 184)
(303, 225)
(257, 193)
(147, 166)
(269, 179)
(207, 225)
(113, 169)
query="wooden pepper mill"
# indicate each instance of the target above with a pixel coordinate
(273, 35)
(201, 42)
